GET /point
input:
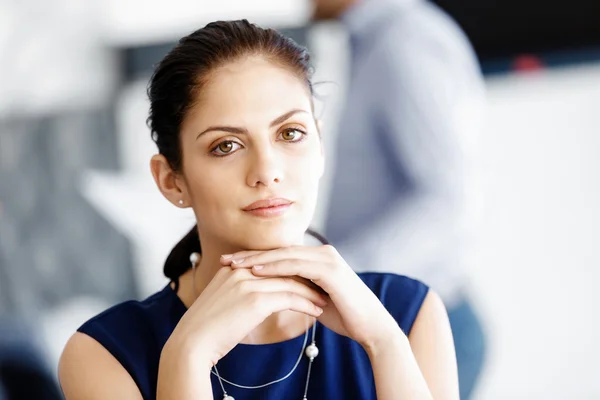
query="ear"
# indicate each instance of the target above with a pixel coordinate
(170, 183)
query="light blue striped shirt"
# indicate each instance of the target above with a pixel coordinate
(401, 187)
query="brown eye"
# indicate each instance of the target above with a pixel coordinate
(292, 135)
(224, 148)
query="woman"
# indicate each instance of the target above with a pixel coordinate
(231, 112)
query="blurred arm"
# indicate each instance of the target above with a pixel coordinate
(429, 94)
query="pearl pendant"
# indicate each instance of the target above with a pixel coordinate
(227, 397)
(312, 351)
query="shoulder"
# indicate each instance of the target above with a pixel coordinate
(87, 370)
(433, 347)
(422, 316)
(128, 320)
(125, 340)
(135, 329)
(402, 296)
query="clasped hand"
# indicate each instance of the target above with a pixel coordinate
(352, 309)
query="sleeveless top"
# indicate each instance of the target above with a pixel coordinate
(134, 332)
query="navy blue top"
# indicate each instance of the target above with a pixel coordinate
(135, 332)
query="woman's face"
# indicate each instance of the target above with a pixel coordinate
(252, 137)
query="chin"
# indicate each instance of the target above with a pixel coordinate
(265, 238)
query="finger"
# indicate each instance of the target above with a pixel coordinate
(291, 267)
(300, 279)
(308, 283)
(226, 259)
(274, 302)
(272, 285)
(323, 274)
(308, 253)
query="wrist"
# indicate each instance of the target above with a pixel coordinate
(181, 375)
(186, 354)
(388, 339)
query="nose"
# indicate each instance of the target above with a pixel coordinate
(265, 167)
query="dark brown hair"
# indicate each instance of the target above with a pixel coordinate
(179, 78)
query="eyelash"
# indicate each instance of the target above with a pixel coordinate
(216, 147)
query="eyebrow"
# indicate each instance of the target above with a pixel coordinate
(238, 130)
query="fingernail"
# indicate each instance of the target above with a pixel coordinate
(226, 256)
(238, 261)
(319, 310)
(258, 267)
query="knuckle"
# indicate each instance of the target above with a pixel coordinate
(334, 265)
(239, 274)
(287, 281)
(254, 300)
(295, 263)
(223, 274)
(248, 259)
(293, 282)
(290, 298)
(224, 271)
(329, 249)
(295, 267)
(244, 286)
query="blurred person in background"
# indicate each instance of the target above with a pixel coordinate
(24, 372)
(231, 112)
(401, 193)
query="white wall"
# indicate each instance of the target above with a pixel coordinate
(141, 21)
(539, 266)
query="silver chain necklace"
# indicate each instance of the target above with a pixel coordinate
(311, 351)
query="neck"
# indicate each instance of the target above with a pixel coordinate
(276, 328)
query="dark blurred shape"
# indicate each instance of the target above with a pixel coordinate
(505, 28)
(24, 375)
(563, 32)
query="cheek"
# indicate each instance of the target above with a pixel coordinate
(210, 188)
(307, 169)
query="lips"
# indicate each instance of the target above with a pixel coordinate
(267, 203)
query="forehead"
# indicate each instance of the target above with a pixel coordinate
(250, 90)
